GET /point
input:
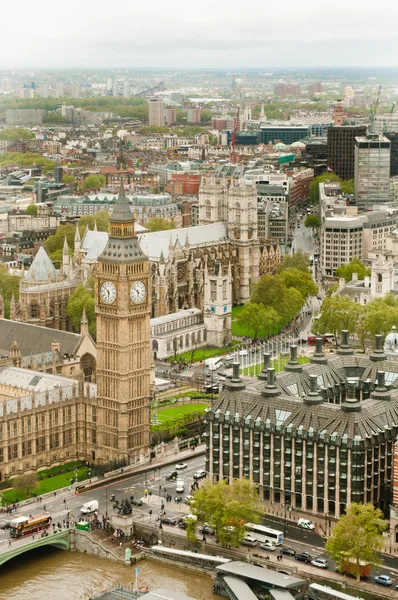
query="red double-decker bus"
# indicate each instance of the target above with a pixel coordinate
(21, 526)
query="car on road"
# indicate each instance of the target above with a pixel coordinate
(306, 524)
(288, 552)
(268, 546)
(169, 520)
(321, 563)
(5, 525)
(383, 579)
(200, 474)
(171, 475)
(207, 529)
(304, 557)
(249, 540)
(137, 502)
(181, 466)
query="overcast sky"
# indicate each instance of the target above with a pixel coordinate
(198, 33)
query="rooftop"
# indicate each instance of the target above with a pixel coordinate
(263, 575)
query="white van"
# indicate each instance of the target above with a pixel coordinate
(89, 507)
(213, 363)
(180, 486)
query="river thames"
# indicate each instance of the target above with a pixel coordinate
(51, 574)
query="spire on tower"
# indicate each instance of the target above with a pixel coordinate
(121, 211)
(262, 112)
(65, 249)
(77, 234)
(95, 225)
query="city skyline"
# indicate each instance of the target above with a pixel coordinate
(173, 35)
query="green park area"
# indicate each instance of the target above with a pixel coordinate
(278, 364)
(202, 353)
(178, 411)
(37, 484)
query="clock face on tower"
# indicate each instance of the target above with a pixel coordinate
(138, 292)
(108, 292)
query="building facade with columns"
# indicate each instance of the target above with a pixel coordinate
(316, 437)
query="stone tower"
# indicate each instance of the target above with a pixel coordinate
(212, 200)
(218, 305)
(382, 274)
(122, 305)
(242, 230)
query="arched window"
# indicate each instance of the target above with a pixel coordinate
(34, 310)
(199, 338)
(193, 339)
(379, 278)
(187, 340)
(204, 335)
(181, 341)
(237, 213)
(208, 209)
(87, 365)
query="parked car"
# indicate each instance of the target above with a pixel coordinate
(172, 475)
(5, 525)
(207, 529)
(304, 557)
(288, 552)
(306, 524)
(249, 540)
(383, 579)
(321, 563)
(181, 466)
(268, 546)
(168, 520)
(200, 474)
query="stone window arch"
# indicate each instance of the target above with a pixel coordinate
(238, 212)
(187, 339)
(34, 310)
(88, 366)
(193, 339)
(199, 337)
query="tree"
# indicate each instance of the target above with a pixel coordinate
(257, 317)
(191, 530)
(82, 298)
(271, 291)
(69, 179)
(358, 536)
(338, 312)
(300, 280)
(205, 115)
(25, 483)
(224, 505)
(355, 266)
(16, 134)
(312, 222)
(347, 187)
(94, 182)
(298, 260)
(9, 286)
(160, 224)
(32, 210)
(314, 185)
(55, 242)
(101, 219)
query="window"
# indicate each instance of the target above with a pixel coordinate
(12, 451)
(27, 448)
(208, 209)
(213, 290)
(224, 289)
(41, 444)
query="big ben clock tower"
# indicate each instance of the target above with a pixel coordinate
(122, 306)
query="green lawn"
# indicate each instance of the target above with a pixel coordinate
(203, 353)
(45, 485)
(239, 331)
(179, 410)
(278, 365)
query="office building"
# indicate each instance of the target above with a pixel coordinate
(315, 437)
(372, 170)
(193, 115)
(156, 112)
(281, 132)
(341, 149)
(393, 137)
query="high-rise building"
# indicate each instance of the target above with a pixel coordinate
(43, 90)
(109, 84)
(315, 88)
(123, 305)
(193, 115)
(156, 112)
(341, 149)
(372, 170)
(287, 89)
(338, 114)
(74, 90)
(170, 115)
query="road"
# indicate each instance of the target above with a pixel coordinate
(154, 481)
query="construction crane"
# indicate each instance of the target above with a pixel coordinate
(233, 137)
(373, 112)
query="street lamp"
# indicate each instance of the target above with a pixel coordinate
(106, 501)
